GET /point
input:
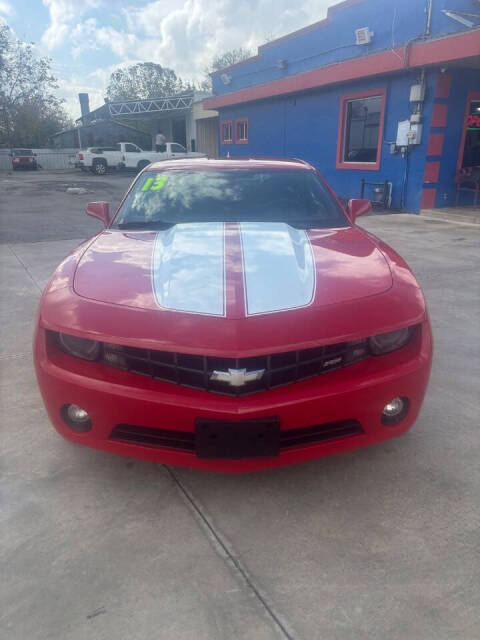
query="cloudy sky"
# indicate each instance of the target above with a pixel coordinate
(87, 39)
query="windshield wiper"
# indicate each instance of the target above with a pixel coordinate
(160, 225)
(311, 224)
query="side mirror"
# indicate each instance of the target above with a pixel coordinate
(358, 207)
(99, 210)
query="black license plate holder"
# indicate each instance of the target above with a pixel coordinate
(236, 440)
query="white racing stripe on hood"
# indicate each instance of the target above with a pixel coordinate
(279, 269)
(188, 268)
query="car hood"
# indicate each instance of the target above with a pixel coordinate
(231, 270)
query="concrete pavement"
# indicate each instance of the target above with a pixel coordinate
(36, 207)
(381, 543)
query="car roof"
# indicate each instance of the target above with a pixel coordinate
(230, 163)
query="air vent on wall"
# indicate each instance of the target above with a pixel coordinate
(363, 35)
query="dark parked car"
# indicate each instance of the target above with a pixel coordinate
(24, 159)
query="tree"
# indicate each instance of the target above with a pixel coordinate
(145, 80)
(29, 112)
(4, 37)
(228, 58)
(222, 61)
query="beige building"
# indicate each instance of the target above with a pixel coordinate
(206, 128)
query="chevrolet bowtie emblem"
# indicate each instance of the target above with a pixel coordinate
(237, 377)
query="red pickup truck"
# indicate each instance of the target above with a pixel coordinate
(23, 159)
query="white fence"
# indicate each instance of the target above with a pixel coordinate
(46, 158)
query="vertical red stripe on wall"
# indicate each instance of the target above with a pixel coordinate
(428, 199)
(435, 144)
(439, 115)
(442, 89)
(431, 171)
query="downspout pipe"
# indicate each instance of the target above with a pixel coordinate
(428, 24)
(426, 34)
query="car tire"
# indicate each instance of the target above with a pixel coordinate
(142, 164)
(99, 167)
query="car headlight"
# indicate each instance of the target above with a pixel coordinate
(387, 342)
(79, 347)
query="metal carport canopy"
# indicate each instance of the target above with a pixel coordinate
(149, 106)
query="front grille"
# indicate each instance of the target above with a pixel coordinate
(195, 371)
(185, 440)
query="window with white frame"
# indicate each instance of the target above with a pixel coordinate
(242, 131)
(227, 132)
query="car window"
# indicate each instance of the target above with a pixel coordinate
(22, 152)
(132, 148)
(177, 148)
(293, 196)
(101, 149)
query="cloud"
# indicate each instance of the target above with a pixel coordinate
(181, 34)
(88, 35)
(6, 9)
(64, 14)
(187, 34)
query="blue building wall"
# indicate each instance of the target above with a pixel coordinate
(306, 124)
(394, 22)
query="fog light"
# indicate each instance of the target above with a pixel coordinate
(395, 410)
(392, 409)
(76, 417)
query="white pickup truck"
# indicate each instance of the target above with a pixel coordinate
(126, 155)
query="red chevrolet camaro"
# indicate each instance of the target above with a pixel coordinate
(232, 316)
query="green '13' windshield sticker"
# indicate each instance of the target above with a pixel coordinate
(156, 184)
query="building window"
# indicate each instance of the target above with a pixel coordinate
(241, 131)
(360, 130)
(227, 132)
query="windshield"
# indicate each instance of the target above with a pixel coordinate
(296, 197)
(22, 152)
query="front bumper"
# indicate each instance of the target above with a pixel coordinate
(114, 397)
(24, 164)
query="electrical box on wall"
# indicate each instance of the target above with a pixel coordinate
(402, 130)
(415, 134)
(408, 133)
(417, 93)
